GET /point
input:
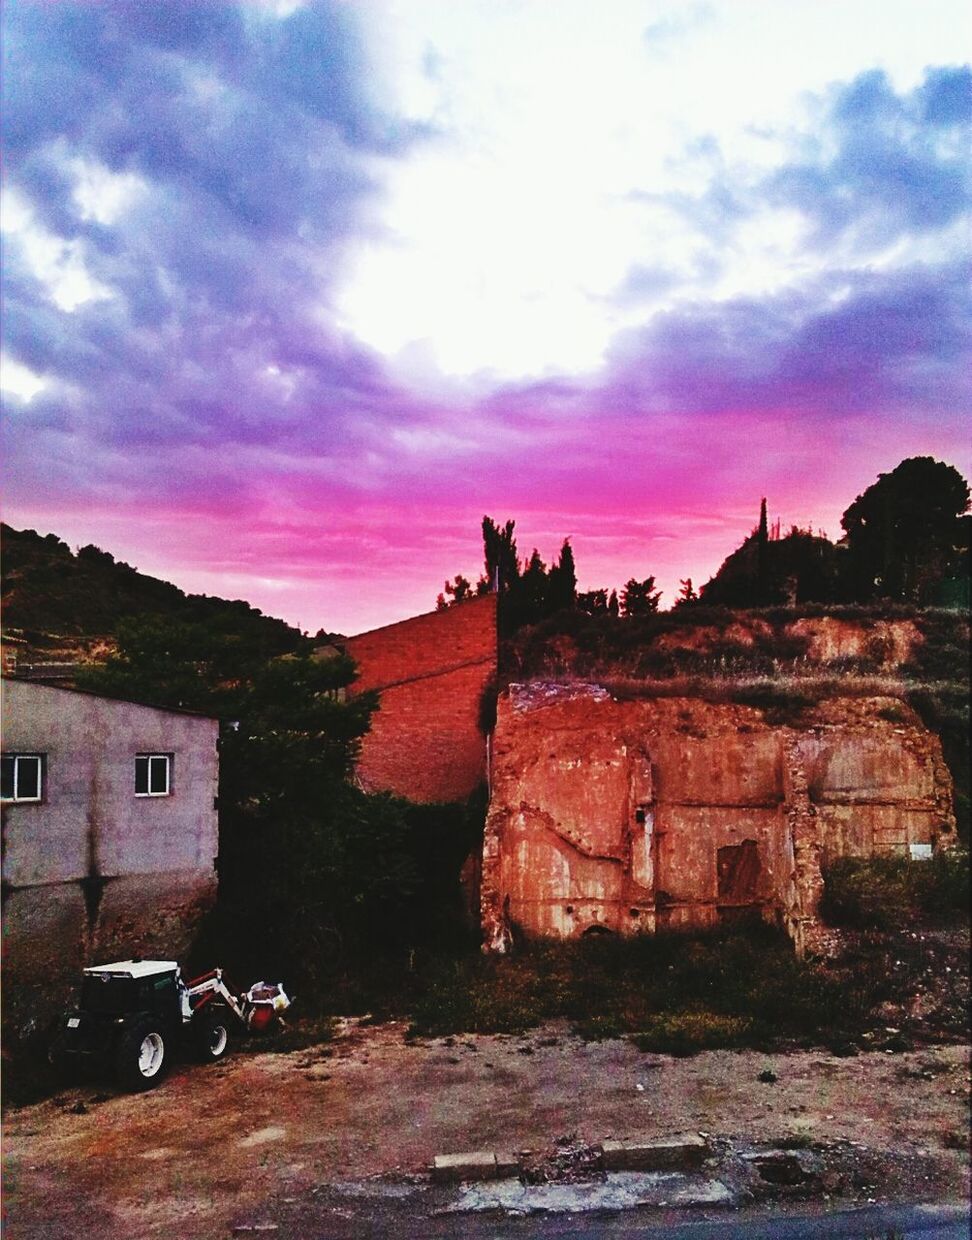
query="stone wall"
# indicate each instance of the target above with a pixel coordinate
(93, 872)
(626, 816)
(430, 672)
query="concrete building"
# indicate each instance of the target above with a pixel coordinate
(109, 836)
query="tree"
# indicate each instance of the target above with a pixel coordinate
(905, 533)
(762, 542)
(531, 589)
(614, 607)
(639, 598)
(562, 588)
(459, 590)
(499, 554)
(308, 863)
(686, 593)
(594, 602)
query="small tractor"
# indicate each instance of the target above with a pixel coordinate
(134, 1014)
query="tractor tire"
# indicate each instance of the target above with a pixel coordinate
(210, 1033)
(142, 1056)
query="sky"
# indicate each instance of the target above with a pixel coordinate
(295, 292)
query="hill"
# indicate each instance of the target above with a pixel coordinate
(65, 607)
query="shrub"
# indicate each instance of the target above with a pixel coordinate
(889, 893)
(677, 991)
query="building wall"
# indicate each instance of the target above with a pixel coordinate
(636, 815)
(425, 741)
(92, 871)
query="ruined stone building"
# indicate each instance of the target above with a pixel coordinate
(621, 816)
(624, 816)
(109, 835)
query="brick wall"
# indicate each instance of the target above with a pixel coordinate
(430, 672)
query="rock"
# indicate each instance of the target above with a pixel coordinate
(475, 1165)
(672, 1154)
(768, 1077)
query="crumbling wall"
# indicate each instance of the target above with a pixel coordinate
(625, 816)
(426, 741)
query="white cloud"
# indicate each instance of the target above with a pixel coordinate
(56, 263)
(103, 195)
(505, 232)
(19, 380)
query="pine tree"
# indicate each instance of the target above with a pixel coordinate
(687, 593)
(639, 598)
(762, 539)
(499, 553)
(562, 584)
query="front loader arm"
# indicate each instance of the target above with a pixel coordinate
(204, 989)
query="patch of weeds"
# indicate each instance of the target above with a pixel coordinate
(599, 1027)
(678, 991)
(894, 712)
(687, 1033)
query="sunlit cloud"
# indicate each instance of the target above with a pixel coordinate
(295, 292)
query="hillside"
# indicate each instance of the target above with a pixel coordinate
(59, 606)
(784, 660)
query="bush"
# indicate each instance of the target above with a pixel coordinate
(678, 992)
(890, 893)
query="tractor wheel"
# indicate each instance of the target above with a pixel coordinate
(142, 1056)
(210, 1032)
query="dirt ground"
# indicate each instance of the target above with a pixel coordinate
(213, 1145)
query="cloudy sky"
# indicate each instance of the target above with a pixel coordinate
(296, 292)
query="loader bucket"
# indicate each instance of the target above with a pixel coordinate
(265, 1004)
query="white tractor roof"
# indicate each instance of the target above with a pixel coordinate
(135, 968)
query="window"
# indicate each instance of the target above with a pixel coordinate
(153, 774)
(23, 776)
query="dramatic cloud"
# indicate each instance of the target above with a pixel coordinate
(884, 165)
(295, 292)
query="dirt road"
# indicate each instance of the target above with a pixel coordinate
(194, 1156)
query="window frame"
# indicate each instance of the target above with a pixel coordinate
(17, 758)
(149, 758)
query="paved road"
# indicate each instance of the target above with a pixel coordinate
(336, 1216)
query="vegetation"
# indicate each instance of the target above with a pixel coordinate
(907, 537)
(799, 567)
(528, 591)
(312, 870)
(892, 893)
(48, 590)
(673, 992)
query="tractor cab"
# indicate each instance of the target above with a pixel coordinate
(133, 986)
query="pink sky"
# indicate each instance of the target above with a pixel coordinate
(295, 294)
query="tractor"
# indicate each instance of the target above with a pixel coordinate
(134, 1015)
